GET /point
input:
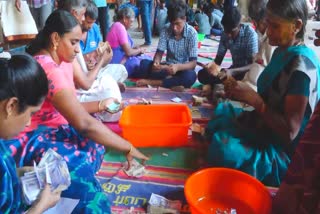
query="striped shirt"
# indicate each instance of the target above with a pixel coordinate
(179, 51)
(243, 48)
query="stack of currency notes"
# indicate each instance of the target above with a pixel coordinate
(136, 170)
(52, 169)
(159, 204)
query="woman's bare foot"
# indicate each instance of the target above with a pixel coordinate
(142, 82)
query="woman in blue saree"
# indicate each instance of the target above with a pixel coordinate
(23, 87)
(261, 142)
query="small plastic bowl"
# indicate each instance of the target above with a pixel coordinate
(221, 189)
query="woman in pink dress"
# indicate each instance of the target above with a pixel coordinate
(122, 45)
(63, 123)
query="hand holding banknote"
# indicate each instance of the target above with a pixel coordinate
(46, 200)
(135, 153)
(51, 173)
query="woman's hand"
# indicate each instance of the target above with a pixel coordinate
(104, 105)
(46, 200)
(212, 68)
(244, 93)
(135, 153)
(48, 197)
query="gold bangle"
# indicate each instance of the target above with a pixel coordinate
(130, 150)
(99, 106)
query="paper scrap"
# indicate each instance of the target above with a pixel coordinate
(176, 100)
(65, 206)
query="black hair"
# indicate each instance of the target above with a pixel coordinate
(257, 9)
(231, 18)
(290, 10)
(92, 10)
(202, 4)
(69, 5)
(22, 77)
(177, 10)
(208, 9)
(162, 1)
(59, 21)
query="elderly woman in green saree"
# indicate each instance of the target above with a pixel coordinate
(261, 142)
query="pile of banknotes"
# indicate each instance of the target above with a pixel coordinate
(159, 204)
(52, 169)
(136, 170)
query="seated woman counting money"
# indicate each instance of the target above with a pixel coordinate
(23, 88)
(261, 142)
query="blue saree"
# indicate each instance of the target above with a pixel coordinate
(240, 139)
(10, 191)
(83, 157)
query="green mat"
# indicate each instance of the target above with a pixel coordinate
(183, 157)
(130, 83)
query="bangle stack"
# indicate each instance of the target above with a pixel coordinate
(100, 108)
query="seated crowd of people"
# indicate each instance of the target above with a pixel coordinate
(56, 94)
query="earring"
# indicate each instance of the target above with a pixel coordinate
(54, 47)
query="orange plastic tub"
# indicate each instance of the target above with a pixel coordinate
(160, 125)
(213, 189)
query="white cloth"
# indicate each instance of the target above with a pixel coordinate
(265, 49)
(104, 86)
(117, 71)
(14, 22)
(264, 54)
(251, 77)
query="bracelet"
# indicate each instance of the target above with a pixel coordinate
(130, 150)
(99, 106)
